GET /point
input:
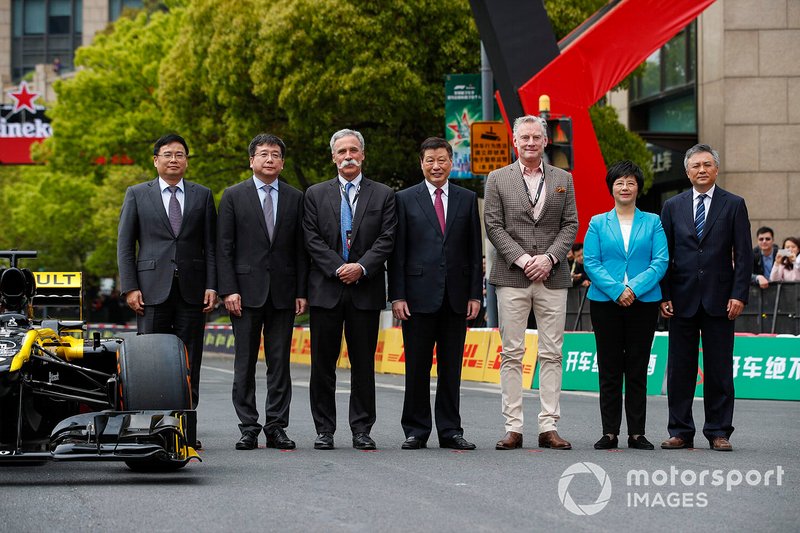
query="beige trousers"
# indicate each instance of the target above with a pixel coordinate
(550, 307)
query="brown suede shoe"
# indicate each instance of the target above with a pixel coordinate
(510, 441)
(721, 444)
(550, 439)
(676, 443)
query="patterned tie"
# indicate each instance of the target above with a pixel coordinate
(346, 220)
(700, 217)
(438, 206)
(269, 214)
(175, 215)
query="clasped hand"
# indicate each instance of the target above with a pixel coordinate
(538, 268)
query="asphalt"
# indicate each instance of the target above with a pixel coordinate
(432, 489)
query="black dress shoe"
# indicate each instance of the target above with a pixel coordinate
(413, 443)
(198, 445)
(607, 443)
(362, 441)
(640, 443)
(456, 442)
(324, 441)
(249, 441)
(277, 438)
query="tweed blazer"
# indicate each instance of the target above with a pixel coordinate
(512, 230)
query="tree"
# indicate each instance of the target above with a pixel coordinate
(109, 108)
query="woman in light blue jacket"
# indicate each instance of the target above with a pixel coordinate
(625, 256)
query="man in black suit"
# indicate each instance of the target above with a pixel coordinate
(349, 225)
(704, 290)
(435, 287)
(263, 275)
(172, 280)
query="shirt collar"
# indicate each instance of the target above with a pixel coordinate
(259, 184)
(709, 192)
(432, 188)
(522, 167)
(356, 182)
(163, 184)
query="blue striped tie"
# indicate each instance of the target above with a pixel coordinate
(700, 217)
(346, 220)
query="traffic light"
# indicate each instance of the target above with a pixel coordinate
(559, 145)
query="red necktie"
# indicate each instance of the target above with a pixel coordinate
(438, 206)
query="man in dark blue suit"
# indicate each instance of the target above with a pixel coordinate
(704, 290)
(435, 287)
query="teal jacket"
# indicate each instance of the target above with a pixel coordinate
(606, 261)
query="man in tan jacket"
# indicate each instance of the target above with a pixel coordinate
(531, 220)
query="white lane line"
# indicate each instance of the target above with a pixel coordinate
(489, 390)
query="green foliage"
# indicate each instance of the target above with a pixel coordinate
(109, 107)
(49, 214)
(617, 143)
(220, 71)
(566, 16)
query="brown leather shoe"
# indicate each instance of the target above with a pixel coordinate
(676, 443)
(721, 444)
(550, 439)
(510, 441)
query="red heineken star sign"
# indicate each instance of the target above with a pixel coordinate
(23, 98)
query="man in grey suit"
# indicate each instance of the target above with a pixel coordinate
(263, 275)
(172, 280)
(349, 225)
(531, 220)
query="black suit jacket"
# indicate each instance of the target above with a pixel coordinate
(714, 269)
(143, 221)
(424, 260)
(372, 240)
(247, 262)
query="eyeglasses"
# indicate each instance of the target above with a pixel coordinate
(265, 155)
(764, 239)
(178, 156)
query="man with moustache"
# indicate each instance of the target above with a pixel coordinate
(435, 285)
(165, 252)
(531, 220)
(263, 269)
(349, 225)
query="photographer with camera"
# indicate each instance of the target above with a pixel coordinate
(786, 267)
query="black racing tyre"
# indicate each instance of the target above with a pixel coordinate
(153, 373)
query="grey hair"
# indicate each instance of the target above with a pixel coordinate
(526, 119)
(345, 133)
(698, 149)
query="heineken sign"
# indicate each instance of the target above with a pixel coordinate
(22, 123)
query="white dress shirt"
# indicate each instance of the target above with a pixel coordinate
(166, 194)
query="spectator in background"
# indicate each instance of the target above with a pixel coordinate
(786, 267)
(576, 267)
(763, 257)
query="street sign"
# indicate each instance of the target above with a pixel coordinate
(490, 147)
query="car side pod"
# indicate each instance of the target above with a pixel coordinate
(146, 440)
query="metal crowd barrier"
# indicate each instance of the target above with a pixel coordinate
(775, 310)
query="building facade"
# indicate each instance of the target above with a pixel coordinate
(732, 80)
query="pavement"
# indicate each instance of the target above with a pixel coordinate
(756, 487)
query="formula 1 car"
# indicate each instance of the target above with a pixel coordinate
(66, 397)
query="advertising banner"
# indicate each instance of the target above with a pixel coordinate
(579, 364)
(462, 107)
(764, 367)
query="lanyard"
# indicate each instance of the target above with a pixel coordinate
(347, 197)
(538, 191)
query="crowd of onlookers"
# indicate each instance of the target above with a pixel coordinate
(773, 263)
